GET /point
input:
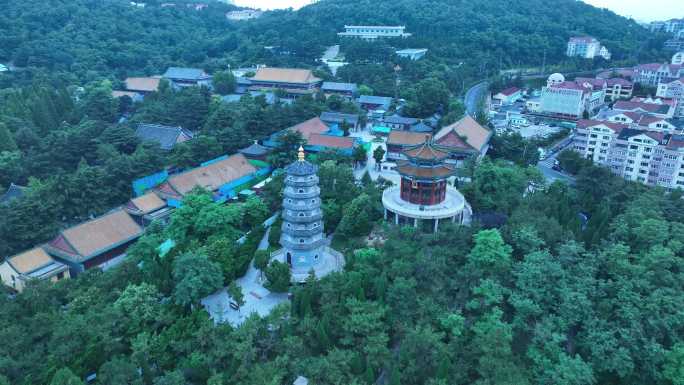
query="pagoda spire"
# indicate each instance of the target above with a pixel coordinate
(300, 155)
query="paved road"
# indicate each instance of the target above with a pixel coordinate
(473, 96)
(545, 166)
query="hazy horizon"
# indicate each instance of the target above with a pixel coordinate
(636, 9)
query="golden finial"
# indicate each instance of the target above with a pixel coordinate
(300, 156)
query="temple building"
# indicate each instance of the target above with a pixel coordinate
(305, 247)
(424, 197)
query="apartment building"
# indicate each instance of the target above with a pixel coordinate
(650, 157)
(653, 73)
(674, 90)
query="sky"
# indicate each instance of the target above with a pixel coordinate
(640, 10)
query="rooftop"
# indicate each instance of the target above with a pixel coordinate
(406, 138)
(30, 260)
(213, 175)
(96, 236)
(338, 117)
(310, 127)
(396, 119)
(329, 141)
(340, 87)
(181, 73)
(255, 149)
(285, 75)
(166, 136)
(469, 130)
(13, 192)
(370, 99)
(143, 84)
(145, 204)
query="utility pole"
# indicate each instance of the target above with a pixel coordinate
(543, 71)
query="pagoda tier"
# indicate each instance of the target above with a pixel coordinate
(305, 247)
(424, 174)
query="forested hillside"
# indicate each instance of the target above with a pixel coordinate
(464, 30)
(81, 40)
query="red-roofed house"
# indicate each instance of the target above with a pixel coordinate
(618, 88)
(508, 96)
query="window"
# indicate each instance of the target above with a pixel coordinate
(313, 201)
(289, 225)
(633, 147)
(301, 240)
(301, 214)
(60, 275)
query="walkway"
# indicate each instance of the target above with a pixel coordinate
(257, 298)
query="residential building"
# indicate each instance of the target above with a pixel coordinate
(187, 77)
(678, 58)
(659, 107)
(653, 73)
(638, 120)
(305, 247)
(243, 14)
(34, 264)
(4, 68)
(424, 198)
(345, 90)
(508, 96)
(618, 88)
(101, 242)
(674, 90)
(396, 122)
(586, 47)
(13, 192)
(335, 119)
(148, 208)
(375, 103)
(142, 85)
(166, 137)
(412, 53)
(672, 26)
(373, 32)
(292, 81)
(650, 157)
(220, 176)
(676, 44)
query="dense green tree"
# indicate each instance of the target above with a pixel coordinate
(224, 82)
(64, 376)
(278, 275)
(196, 277)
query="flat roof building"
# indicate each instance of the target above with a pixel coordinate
(372, 32)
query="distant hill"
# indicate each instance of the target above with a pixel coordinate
(511, 31)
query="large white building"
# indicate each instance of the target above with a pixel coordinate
(674, 90)
(571, 99)
(586, 47)
(372, 32)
